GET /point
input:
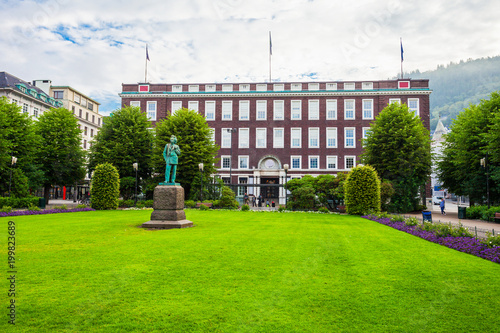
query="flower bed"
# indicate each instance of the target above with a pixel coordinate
(462, 244)
(44, 211)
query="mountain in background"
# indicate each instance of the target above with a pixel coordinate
(457, 85)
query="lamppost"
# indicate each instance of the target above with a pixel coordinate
(136, 167)
(231, 131)
(200, 166)
(13, 164)
(484, 163)
(285, 167)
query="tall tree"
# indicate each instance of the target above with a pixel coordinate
(17, 138)
(398, 147)
(194, 138)
(60, 154)
(123, 140)
(472, 136)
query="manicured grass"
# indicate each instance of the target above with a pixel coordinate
(242, 272)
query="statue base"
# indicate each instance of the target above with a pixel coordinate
(169, 184)
(168, 205)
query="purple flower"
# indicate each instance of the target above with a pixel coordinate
(44, 211)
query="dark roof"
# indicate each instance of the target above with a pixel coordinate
(9, 81)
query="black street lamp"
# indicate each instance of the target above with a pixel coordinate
(13, 164)
(484, 163)
(285, 167)
(136, 167)
(231, 130)
(200, 166)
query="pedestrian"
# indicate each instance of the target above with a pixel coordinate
(245, 199)
(253, 201)
(260, 200)
(441, 204)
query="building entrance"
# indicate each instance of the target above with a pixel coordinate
(272, 191)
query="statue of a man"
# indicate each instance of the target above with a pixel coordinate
(170, 154)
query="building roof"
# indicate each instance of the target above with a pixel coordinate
(73, 89)
(439, 132)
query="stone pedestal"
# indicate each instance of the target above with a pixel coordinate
(168, 205)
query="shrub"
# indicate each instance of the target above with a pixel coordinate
(140, 204)
(386, 193)
(148, 203)
(189, 204)
(303, 198)
(412, 221)
(488, 214)
(281, 209)
(204, 207)
(34, 208)
(492, 241)
(474, 212)
(245, 208)
(20, 187)
(227, 199)
(19, 202)
(323, 210)
(81, 206)
(362, 191)
(125, 203)
(127, 187)
(6, 209)
(105, 187)
(62, 207)
(397, 218)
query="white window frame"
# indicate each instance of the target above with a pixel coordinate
(150, 112)
(346, 129)
(242, 158)
(296, 87)
(194, 88)
(291, 162)
(313, 137)
(193, 105)
(261, 107)
(279, 110)
(135, 103)
(177, 88)
(244, 138)
(353, 160)
(366, 110)
(227, 110)
(313, 86)
(227, 87)
(226, 137)
(244, 87)
(313, 109)
(309, 159)
(298, 131)
(278, 87)
(210, 110)
(329, 159)
(263, 135)
(225, 157)
(261, 87)
(349, 86)
(365, 132)
(331, 109)
(417, 109)
(244, 110)
(210, 88)
(297, 113)
(331, 134)
(276, 142)
(347, 110)
(176, 105)
(367, 85)
(331, 86)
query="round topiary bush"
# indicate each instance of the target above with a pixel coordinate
(362, 191)
(227, 199)
(105, 187)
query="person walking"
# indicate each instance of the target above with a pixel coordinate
(441, 204)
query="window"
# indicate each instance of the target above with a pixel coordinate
(314, 137)
(261, 87)
(349, 162)
(331, 109)
(313, 162)
(35, 112)
(226, 138)
(91, 106)
(243, 137)
(77, 98)
(58, 94)
(367, 85)
(227, 87)
(313, 86)
(244, 87)
(261, 137)
(331, 137)
(349, 86)
(331, 162)
(242, 190)
(73, 109)
(296, 110)
(295, 162)
(225, 162)
(243, 162)
(210, 110)
(143, 87)
(86, 116)
(296, 86)
(313, 109)
(194, 88)
(84, 144)
(296, 138)
(25, 108)
(135, 103)
(278, 138)
(279, 110)
(91, 132)
(349, 135)
(212, 135)
(413, 105)
(244, 110)
(331, 86)
(151, 111)
(227, 110)
(80, 113)
(193, 105)
(176, 105)
(261, 110)
(210, 88)
(93, 119)
(368, 109)
(177, 88)
(365, 133)
(85, 131)
(349, 109)
(394, 100)
(99, 121)
(279, 87)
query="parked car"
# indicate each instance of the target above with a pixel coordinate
(436, 200)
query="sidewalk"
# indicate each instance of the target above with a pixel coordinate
(60, 202)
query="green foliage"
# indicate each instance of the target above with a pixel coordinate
(24, 202)
(6, 209)
(386, 193)
(123, 140)
(204, 207)
(325, 190)
(445, 230)
(303, 198)
(140, 204)
(282, 209)
(412, 221)
(20, 187)
(105, 187)
(245, 208)
(148, 203)
(194, 138)
(323, 210)
(125, 203)
(227, 199)
(127, 187)
(34, 208)
(60, 153)
(398, 147)
(189, 204)
(492, 241)
(362, 191)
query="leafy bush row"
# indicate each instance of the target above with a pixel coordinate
(481, 212)
(131, 203)
(19, 202)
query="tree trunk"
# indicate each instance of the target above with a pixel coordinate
(46, 193)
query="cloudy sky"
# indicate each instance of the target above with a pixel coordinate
(96, 45)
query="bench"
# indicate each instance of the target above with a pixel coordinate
(496, 218)
(208, 204)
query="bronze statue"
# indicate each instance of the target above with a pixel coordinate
(170, 154)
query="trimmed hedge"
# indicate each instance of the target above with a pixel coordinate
(362, 191)
(481, 212)
(105, 187)
(19, 202)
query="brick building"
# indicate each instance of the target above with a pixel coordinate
(264, 128)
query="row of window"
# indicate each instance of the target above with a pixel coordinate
(261, 109)
(59, 94)
(260, 140)
(80, 114)
(26, 108)
(313, 162)
(85, 131)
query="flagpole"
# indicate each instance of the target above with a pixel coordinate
(146, 71)
(401, 42)
(270, 55)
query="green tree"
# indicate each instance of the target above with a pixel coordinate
(308, 191)
(398, 147)
(20, 188)
(472, 136)
(194, 138)
(60, 154)
(362, 191)
(17, 138)
(123, 140)
(105, 188)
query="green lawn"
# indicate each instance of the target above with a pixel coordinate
(242, 272)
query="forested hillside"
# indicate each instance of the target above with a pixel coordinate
(457, 85)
